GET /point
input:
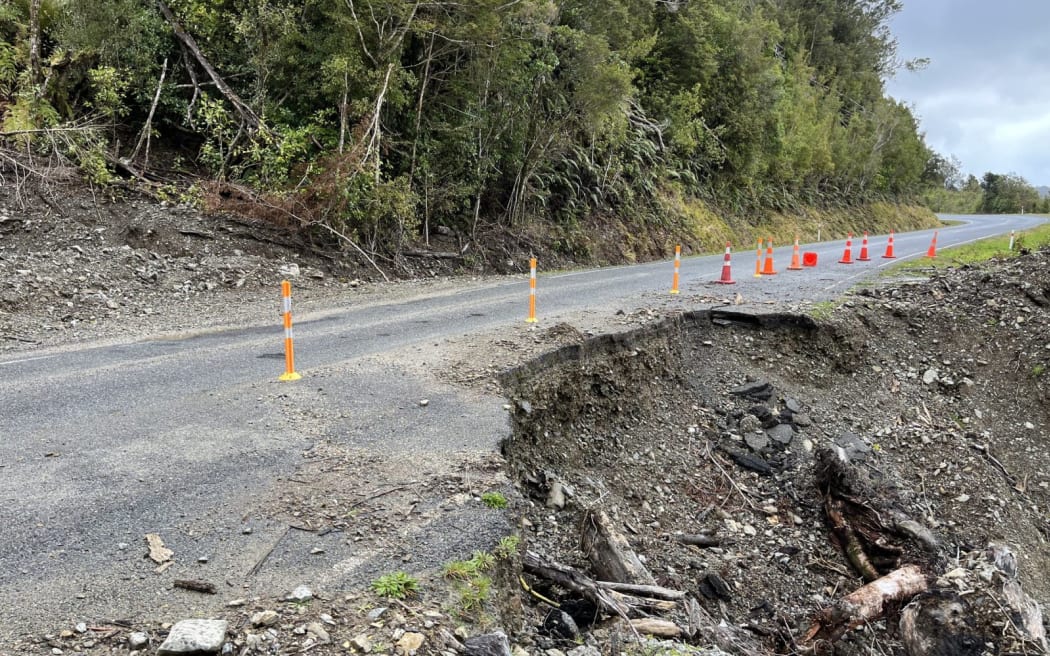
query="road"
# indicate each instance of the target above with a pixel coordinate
(186, 437)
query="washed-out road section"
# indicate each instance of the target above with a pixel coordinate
(186, 436)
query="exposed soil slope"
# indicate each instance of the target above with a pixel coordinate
(936, 391)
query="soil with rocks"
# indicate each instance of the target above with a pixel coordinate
(743, 457)
(706, 441)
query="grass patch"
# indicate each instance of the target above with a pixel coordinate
(978, 252)
(465, 569)
(822, 310)
(494, 500)
(471, 584)
(507, 547)
(396, 585)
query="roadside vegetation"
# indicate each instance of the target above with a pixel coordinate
(377, 124)
(978, 252)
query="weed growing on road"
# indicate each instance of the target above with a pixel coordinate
(507, 547)
(397, 585)
(494, 500)
(466, 569)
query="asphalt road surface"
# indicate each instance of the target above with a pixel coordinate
(182, 437)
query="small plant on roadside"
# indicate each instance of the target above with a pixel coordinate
(474, 593)
(494, 500)
(1038, 370)
(507, 547)
(467, 569)
(396, 585)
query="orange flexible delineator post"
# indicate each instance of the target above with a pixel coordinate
(727, 269)
(889, 248)
(847, 257)
(863, 257)
(677, 265)
(768, 269)
(758, 260)
(932, 250)
(796, 261)
(289, 351)
(532, 291)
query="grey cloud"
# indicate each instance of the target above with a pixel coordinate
(986, 95)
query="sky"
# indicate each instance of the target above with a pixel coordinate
(985, 96)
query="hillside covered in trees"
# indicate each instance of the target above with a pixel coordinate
(383, 119)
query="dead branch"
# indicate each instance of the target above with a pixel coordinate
(848, 537)
(650, 591)
(147, 129)
(195, 585)
(266, 556)
(701, 540)
(574, 581)
(437, 255)
(246, 113)
(867, 603)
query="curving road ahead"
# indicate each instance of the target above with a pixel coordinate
(182, 437)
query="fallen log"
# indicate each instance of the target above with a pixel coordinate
(867, 603)
(609, 552)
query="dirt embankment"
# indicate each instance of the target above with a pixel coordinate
(711, 443)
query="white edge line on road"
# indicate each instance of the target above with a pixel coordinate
(39, 357)
(902, 259)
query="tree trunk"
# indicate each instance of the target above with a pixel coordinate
(34, 44)
(610, 554)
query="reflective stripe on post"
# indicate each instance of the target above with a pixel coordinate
(532, 291)
(677, 265)
(289, 352)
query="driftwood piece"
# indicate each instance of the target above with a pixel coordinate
(656, 627)
(609, 552)
(868, 603)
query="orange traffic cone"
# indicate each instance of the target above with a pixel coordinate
(768, 270)
(727, 267)
(847, 257)
(932, 250)
(758, 260)
(889, 248)
(796, 262)
(863, 257)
